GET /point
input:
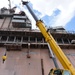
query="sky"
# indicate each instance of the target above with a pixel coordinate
(52, 12)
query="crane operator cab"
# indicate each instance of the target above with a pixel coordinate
(59, 72)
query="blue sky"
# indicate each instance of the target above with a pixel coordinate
(48, 20)
(52, 12)
(71, 25)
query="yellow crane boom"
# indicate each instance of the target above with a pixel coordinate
(54, 46)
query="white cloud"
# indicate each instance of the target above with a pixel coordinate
(67, 13)
(4, 3)
(46, 7)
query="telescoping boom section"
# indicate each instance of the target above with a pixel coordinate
(54, 46)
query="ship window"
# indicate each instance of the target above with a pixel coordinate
(28, 24)
(11, 38)
(59, 40)
(39, 39)
(66, 41)
(18, 39)
(4, 38)
(25, 39)
(18, 23)
(32, 39)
